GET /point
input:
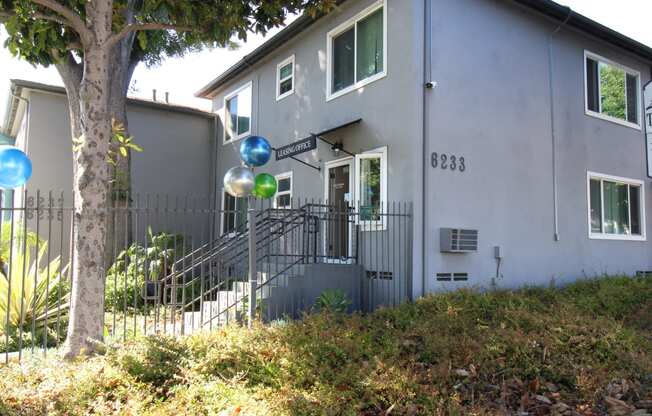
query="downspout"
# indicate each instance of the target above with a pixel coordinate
(27, 115)
(27, 124)
(553, 132)
(427, 85)
(213, 182)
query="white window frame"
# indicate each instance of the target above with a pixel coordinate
(352, 22)
(280, 80)
(227, 97)
(600, 115)
(620, 180)
(285, 175)
(381, 153)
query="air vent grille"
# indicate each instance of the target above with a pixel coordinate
(444, 277)
(457, 240)
(372, 274)
(452, 277)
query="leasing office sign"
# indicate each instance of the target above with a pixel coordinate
(647, 94)
(296, 148)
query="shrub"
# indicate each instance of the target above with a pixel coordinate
(460, 353)
(126, 278)
(28, 292)
(333, 300)
(21, 240)
(153, 360)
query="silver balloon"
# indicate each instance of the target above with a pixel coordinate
(239, 182)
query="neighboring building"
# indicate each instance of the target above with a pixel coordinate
(7, 196)
(519, 119)
(178, 143)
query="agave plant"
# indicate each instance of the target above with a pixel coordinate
(32, 293)
(15, 236)
(333, 300)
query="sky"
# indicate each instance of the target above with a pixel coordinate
(183, 77)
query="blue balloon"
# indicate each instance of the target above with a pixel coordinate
(15, 168)
(255, 151)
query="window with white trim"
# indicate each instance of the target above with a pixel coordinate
(237, 117)
(234, 213)
(616, 207)
(612, 91)
(357, 53)
(371, 188)
(285, 78)
(283, 198)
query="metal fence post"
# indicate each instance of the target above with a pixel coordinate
(253, 282)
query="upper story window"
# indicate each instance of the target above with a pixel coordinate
(616, 208)
(238, 104)
(357, 53)
(285, 78)
(612, 91)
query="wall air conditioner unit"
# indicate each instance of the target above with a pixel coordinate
(457, 240)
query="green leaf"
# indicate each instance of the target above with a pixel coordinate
(142, 40)
(135, 147)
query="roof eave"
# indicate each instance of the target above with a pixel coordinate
(548, 8)
(561, 13)
(11, 109)
(292, 30)
(18, 85)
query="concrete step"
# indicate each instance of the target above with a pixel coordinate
(276, 295)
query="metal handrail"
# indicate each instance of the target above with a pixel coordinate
(232, 250)
(237, 244)
(227, 241)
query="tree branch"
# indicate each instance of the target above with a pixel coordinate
(51, 18)
(72, 19)
(115, 38)
(4, 16)
(70, 70)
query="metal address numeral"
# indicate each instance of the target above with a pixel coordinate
(448, 162)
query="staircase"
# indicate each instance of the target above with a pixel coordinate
(209, 286)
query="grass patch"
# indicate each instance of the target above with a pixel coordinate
(458, 353)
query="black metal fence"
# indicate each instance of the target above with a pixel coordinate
(177, 265)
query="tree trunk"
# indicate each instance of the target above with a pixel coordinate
(119, 224)
(91, 185)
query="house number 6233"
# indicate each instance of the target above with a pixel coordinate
(448, 162)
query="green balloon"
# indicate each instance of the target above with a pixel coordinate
(265, 186)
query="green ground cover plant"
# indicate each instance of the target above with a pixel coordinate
(584, 348)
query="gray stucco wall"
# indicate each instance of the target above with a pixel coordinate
(492, 107)
(385, 106)
(177, 149)
(386, 121)
(176, 162)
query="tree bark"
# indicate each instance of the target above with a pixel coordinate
(91, 185)
(119, 224)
